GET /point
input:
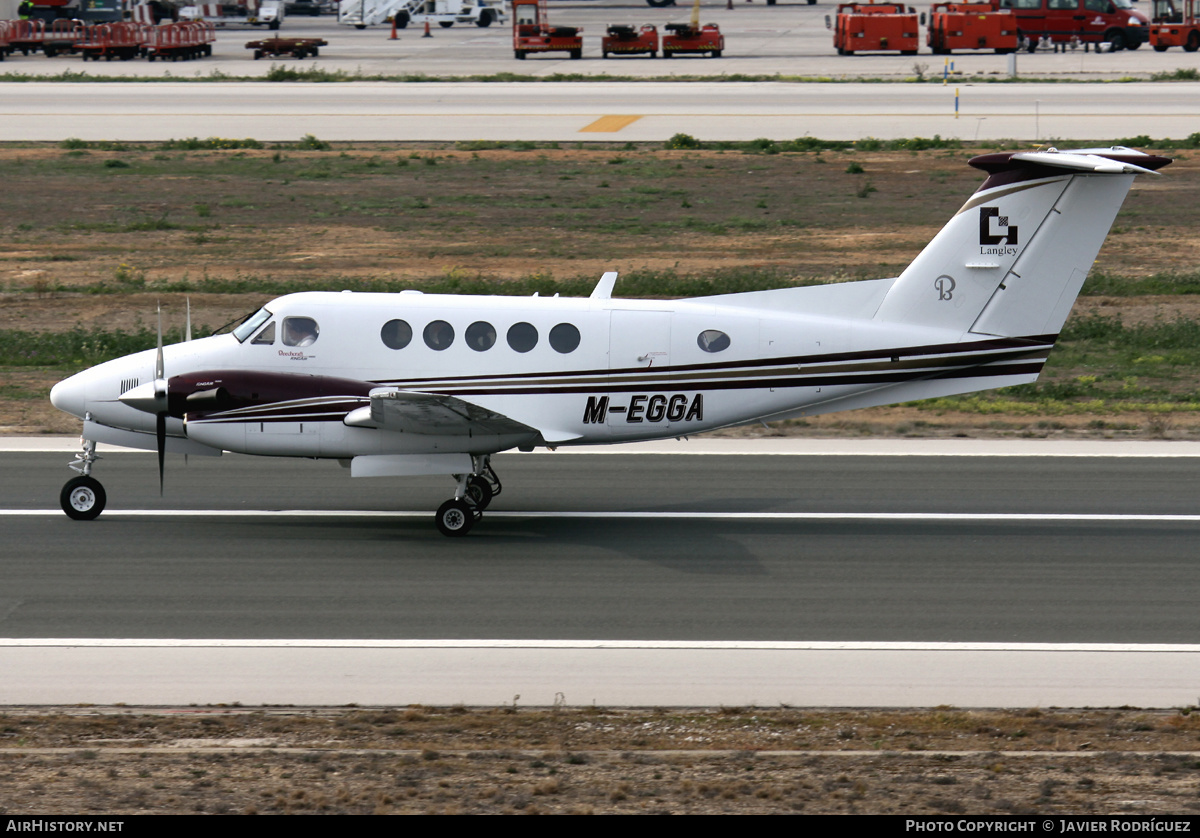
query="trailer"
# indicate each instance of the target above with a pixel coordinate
(182, 41)
(107, 41)
(445, 13)
(959, 26)
(26, 36)
(532, 31)
(295, 47)
(875, 27)
(1175, 23)
(629, 40)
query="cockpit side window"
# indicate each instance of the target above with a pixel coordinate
(300, 331)
(266, 337)
(250, 325)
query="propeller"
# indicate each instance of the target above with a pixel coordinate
(160, 399)
(151, 397)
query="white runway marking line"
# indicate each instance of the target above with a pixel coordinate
(662, 645)
(717, 516)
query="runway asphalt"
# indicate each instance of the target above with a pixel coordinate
(665, 559)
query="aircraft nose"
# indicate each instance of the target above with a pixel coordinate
(69, 396)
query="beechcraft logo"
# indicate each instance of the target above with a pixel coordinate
(994, 229)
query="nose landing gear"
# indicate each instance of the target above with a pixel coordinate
(83, 498)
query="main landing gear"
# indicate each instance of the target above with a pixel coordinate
(472, 495)
(83, 497)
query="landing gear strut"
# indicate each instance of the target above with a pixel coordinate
(83, 498)
(472, 495)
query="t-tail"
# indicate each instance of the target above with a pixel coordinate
(1012, 260)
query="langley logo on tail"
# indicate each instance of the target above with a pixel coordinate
(410, 384)
(994, 227)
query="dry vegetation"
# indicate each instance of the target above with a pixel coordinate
(731, 760)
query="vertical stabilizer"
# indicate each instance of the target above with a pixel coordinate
(1013, 259)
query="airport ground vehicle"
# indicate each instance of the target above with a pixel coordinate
(445, 13)
(629, 40)
(1175, 23)
(1115, 22)
(532, 31)
(875, 27)
(268, 13)
(411, 383)
(971, 26)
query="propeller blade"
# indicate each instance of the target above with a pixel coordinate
(159, 372)
(160, 435)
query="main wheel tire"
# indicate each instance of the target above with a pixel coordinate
(82, 498)
(455, 517)
(480, 492)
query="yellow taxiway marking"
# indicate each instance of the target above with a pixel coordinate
(610, 124)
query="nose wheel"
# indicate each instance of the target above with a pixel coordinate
(83, 498)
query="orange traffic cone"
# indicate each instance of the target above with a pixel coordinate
(427, 34)
(393, 36)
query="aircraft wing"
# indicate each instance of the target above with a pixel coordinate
(414, 412)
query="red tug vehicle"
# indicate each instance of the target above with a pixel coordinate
(626, 40)
(971, 26)
(1175, 23)
(532, 31)
(876, 27)
(685, 38)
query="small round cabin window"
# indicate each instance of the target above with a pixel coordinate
(439, 335)
(481, 336)
(564, 338)
(396, 334)
(713, 340)
(522, 336)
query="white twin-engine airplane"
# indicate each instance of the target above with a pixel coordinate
(410, 383)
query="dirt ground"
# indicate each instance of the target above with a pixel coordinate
(594, 761)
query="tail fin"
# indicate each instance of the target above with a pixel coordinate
(1013, 259)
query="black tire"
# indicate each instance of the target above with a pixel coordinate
(445, 24)
(1116, 39)
(519, 54)
(455, 517)
(314, 51)
(360, 26)
(402, 20)
(257, 54)
(485, 19)
(82, 498)
(480, 492)
(576, 54)
(1131, 44)
(716, 53)
(1193, 42)
(1160, 47)
(658, 4)
(273, 25)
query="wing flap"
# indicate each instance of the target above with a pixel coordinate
(414, 412)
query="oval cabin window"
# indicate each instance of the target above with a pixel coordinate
(713, 340)
(396, 334)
